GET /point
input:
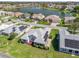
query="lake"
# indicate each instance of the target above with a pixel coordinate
(41, 10)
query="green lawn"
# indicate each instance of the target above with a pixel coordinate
(28, 20)
(35, 27)
(43, 22)
(3, 42)
(56, 9)
(19, 50)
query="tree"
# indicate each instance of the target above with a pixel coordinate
(62, 14)
(62, 22)
(74, 26)
(12, 36)
(44, 5)
(76, 9)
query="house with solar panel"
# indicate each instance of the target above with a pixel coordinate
(14, 29)
(68, 43)
(5, 26)
(36, 37)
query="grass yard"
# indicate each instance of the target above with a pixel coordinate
(35, 27)
(28, 20)
(56, 9)
(43, 22)
(3, 42)
(19, 50)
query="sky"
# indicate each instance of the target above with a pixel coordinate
(40, 0)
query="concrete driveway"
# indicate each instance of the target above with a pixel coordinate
(4, 55)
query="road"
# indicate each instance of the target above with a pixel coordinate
(41, 25)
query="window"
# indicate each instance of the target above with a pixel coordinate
(62, 49)
(76, 52)
(70, 51)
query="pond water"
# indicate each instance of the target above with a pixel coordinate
(41, 10)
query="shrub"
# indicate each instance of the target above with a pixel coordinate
(43, 22)
(53, 33)
(28, 20)
(12, 36)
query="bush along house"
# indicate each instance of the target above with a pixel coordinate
(68, 43)
(37, 37)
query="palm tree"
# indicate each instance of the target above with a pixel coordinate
(62, 14)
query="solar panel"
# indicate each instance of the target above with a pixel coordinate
(72, 43)
(14, 29)
(22, 28)
(32, 37)
(46, 36)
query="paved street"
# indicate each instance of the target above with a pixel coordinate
(41, 25)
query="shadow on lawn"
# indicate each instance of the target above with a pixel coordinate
(55, 43)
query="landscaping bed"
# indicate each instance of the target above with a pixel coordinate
(43, 22)
(28, 20)
(35, 27)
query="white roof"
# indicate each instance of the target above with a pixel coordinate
(65, 35)
(38, 33)
(5, 25)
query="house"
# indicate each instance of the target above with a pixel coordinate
(18, 14)
(27, 15)
(51, 5)
(38, 16)
(53, 19)
(6, 19)
(68, 43)
(69, 19)
(20, 28)
(36, 36)
(8, 30)
(10, 13)
(4, 13)
(16, 29)
(5, 26)
(60, 6)
(70, 6)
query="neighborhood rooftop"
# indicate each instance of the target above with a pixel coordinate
(5, 25)
(66, 37)
(38, 33)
